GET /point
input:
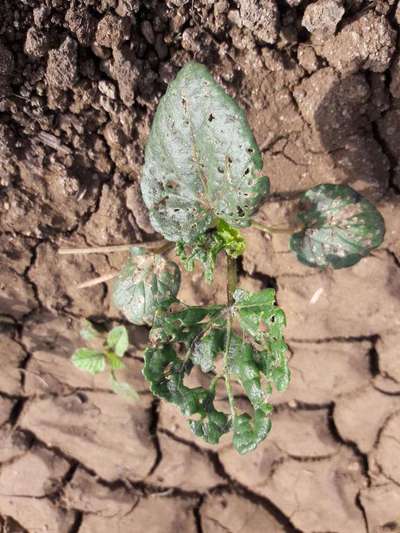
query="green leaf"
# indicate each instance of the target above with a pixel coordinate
(243, 366)
(340, 227)
(165, 371)
(201, 160)
(212, 426)
(114, 361)
(248, 432)
(231, 238)
(264, 322)
(146, 283)
(203, 249)
(124, 389)
(118, 340)
(88, 332)
(89, 360)
(207, 348)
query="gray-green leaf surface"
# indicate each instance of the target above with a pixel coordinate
(340, 227)
(146, 283)
(201, 159)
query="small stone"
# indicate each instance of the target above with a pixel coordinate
(107, 88)
(112, 31)
(62, 68)
(147, 31)
(262, 18)
(323, 16)
(368, 43)
(307, 58)
(37, 43)
(82, 23)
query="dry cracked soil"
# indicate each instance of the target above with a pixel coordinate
(79, 83)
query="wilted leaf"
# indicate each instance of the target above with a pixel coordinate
(89, 360)
(118, 340)
(340, 227)
(201, 160)
(146, 283)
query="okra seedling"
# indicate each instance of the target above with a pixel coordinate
(202, 183)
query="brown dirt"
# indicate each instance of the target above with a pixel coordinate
(79, 83)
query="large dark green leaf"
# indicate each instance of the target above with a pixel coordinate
(146, 283)
(201, 159)
(165, 372)
(340, 227)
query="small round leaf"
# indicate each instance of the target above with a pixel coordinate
(146, 283)
(340, 227)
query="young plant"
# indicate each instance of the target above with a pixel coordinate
(201, 183)
(104, 352)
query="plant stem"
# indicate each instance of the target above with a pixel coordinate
(232, 279)
(228, 384)
(115, 248)
(270, 230)
(97, 281)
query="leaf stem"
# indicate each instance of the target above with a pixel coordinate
(270, 230)
(97, 281)
(232, 279)
(228, 384)
(157, 245)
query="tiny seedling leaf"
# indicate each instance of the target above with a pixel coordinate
(118, 340)
(89, 360)
(124, 389)
(201, 160)
(146, 283)
(114, 360)
(88, 332)
(340, 227)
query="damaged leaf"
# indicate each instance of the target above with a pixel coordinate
(201, 160)
(340, 227)
(146, 283)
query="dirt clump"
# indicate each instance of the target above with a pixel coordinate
(262, 18)
(367, 43)
(323, 16)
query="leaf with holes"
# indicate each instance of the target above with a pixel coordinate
(201, 160)
(248, 432)
(165, 371)
(147, 283)
(340, 227)
(264, 321)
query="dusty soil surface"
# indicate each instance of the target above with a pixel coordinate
(79, 83)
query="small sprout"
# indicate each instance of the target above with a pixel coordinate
(106, 354)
